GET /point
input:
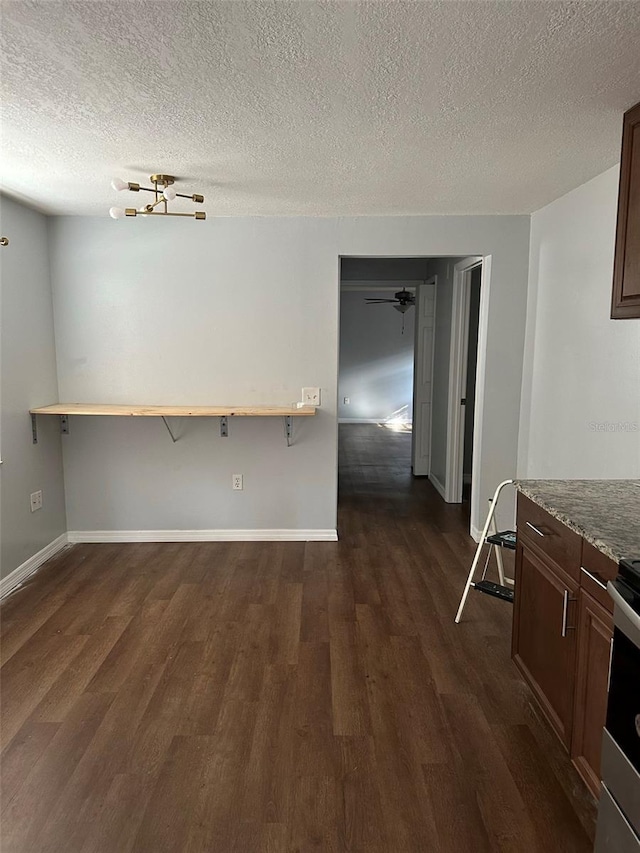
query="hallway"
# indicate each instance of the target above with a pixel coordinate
(279, 696)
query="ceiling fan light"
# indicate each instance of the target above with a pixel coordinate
(118, 184)
(116, 213)
(402, 308)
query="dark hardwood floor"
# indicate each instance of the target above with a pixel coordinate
(280, 696)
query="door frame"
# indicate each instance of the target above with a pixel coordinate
(476, 511)
(458, 352)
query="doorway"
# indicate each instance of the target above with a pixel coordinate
(442, 413)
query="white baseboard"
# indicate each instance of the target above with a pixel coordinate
(267, 535)
(476, 533)
(438, 486)
(18, 576)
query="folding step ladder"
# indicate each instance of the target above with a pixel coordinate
(496, 541)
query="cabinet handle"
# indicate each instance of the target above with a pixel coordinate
(593, 578)
(535, 529)
(565, 609)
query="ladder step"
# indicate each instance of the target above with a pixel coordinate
(495, 589)
(505, 539)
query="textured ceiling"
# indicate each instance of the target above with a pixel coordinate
(315, 108)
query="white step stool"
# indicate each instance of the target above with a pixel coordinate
(496, 541)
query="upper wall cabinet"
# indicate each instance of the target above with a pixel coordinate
(626, 268)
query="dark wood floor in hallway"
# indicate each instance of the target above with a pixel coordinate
(280, 696)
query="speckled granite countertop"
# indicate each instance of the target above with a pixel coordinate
(605, 512)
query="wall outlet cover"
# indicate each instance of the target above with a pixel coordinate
(237, 482)
(35, 499)
(311, 396)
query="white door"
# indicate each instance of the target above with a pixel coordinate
(423, 376)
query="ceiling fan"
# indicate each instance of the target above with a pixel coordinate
(402, 301)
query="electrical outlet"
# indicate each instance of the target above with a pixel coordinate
(311, 396)
(237, 482)
(346, 400)
(36, 500)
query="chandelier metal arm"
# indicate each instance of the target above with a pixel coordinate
(131, 211)
(197, 197)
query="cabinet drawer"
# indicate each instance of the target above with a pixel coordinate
(549, 536)
(596, 570)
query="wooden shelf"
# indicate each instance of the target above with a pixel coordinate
(174, 411)
(64, 410)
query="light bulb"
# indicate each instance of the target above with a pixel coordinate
(118, 184)
(169, 193)
(116, 213)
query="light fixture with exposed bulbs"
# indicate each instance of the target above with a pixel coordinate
(164, 192)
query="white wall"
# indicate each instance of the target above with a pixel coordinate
(582, 370)
(376, 358)
(241, 311)
(28, 379)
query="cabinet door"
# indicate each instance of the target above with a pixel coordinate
(544, 636)
(626, 268)
(595, 631)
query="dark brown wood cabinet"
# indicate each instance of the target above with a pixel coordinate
(562, 630)
(626, 270)
(544, 636)
(595, 631)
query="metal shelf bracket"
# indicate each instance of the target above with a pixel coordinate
(64, 424)
(34, 429)
(173, 437)
(224, 427)
(288, 429)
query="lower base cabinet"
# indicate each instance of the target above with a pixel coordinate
(595, 632)
(562, 632)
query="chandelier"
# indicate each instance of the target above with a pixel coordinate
(164, 192)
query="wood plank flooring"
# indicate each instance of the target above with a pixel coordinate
(280, 696)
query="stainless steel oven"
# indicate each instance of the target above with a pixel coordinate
(619, 809)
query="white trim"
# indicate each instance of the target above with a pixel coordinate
(266, 535)
(478, 413)
(438, 485)
(476, 533)
(18, 576)
(457, 376)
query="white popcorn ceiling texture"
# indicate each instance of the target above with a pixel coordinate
(315, 108)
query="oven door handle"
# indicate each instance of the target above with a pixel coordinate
(624, 606)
